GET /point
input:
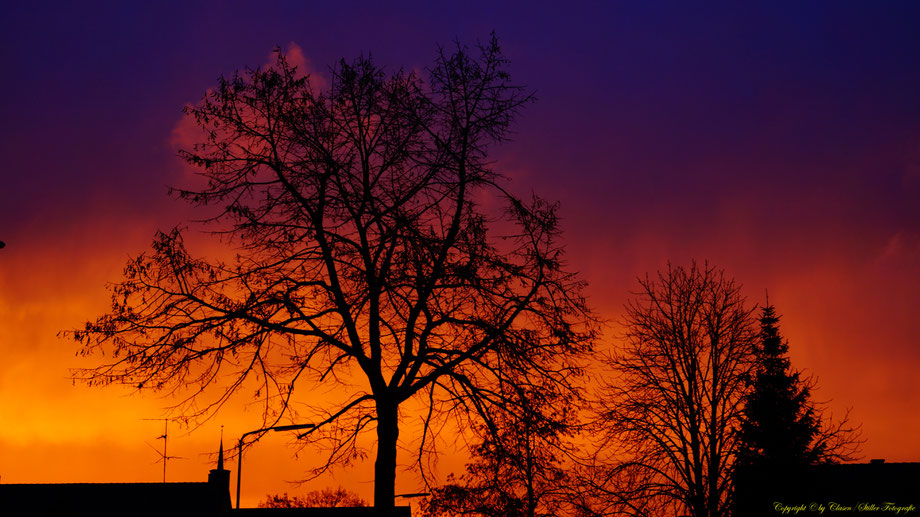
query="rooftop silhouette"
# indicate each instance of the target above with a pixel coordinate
(872, 486)
(183, 499)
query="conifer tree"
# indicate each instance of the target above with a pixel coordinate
(780, 426)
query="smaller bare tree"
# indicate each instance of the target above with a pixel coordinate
(325, 498)
(675, 402)
(520, 468)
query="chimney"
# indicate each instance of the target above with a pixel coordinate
(219, 481)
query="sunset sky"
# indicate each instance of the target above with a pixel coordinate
(779, 142)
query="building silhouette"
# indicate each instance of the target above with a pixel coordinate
(865, 488)
(195, 499)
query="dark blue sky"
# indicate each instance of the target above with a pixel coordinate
(637, 101)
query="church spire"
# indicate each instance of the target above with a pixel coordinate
(220, 454)
(219, 479)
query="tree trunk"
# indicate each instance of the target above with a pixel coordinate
(529, 465)
(385, 466)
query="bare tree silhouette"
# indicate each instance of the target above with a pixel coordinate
(325, 498)
(672, 414)
(520, 471)
(376, 250)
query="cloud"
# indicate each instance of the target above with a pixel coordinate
(186, 132)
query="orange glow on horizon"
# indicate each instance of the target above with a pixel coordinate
(62, 432)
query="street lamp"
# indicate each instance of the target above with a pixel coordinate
(239, 450)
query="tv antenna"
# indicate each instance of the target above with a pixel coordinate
(165, 437)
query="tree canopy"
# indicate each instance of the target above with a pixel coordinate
(376, 250)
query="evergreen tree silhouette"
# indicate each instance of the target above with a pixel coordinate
(780, 423)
